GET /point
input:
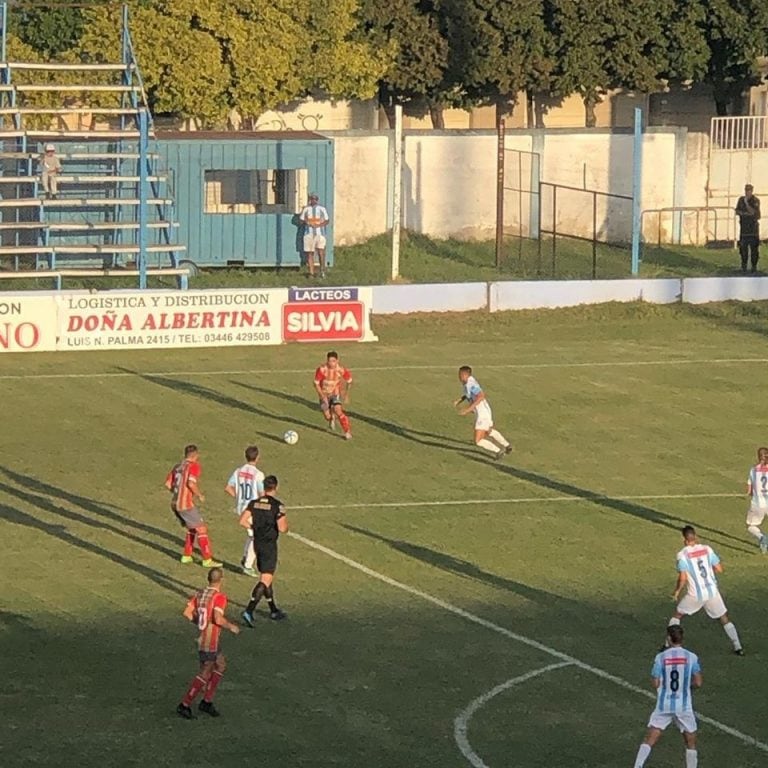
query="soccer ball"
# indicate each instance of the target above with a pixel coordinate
(291, 437)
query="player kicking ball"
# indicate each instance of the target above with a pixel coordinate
(487, 436)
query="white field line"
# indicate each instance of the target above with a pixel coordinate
(530, 642)
(525, 500)
(461, 723)
(374, 368)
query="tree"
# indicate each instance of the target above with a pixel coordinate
(497, 50)
(48, 30)
(416, 74)
(737, 34)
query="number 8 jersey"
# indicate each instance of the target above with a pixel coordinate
(674, 668)
(698, 563)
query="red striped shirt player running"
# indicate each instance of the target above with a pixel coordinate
(182, 482)
(206, 609)
(332, 383)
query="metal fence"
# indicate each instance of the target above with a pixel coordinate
(727, 134)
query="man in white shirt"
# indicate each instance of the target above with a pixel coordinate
(315, 219)
(245, 485)
(50, 167)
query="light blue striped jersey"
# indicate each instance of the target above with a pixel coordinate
(698, 563)
(758, 486)
(248, 483)
(674, 668)
(472, 389)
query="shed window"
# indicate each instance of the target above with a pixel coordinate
(255, 191)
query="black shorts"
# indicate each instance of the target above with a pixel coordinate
(207, 656)
(330, 402)
(266, 557)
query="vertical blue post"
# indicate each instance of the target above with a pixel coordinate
(637, 185)
(126, 43)
(4, 21)
(143, 194)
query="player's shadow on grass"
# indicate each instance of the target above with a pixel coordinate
(65, 537)
(204, 393)
(97, 508)
(624, 506)
(467, 569)
(407, 433)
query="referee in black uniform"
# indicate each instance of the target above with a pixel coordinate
(266, 516)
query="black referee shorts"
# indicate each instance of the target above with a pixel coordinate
(266, 556)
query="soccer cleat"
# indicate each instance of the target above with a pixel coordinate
(248, 619)
(249, 572)
(186, 559)
(278, 615)
(764, 544)
(186, 712)
(211, 563)
(508, 449)
(738, 651)
(209, 708)
(347, 435)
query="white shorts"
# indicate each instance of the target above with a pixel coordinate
(755, 516)
(715, 607)
(314, 243)
(685, 721)
(483, 417)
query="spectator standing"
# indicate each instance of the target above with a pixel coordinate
(50, 167)
(315, 219)
(748, 211)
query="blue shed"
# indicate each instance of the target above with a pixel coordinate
(238, 195)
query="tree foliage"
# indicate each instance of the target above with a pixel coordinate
(202, 58)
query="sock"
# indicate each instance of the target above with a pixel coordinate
(189, 544)
(258, 592)
(488, 445)
(691, 758)
(755, 531)
(205, 546)
(733, 635)
(494, 434)
(195, 687)
(249, 555)
(270, 595)
(642, 755)
(344, 421)
(213, 684)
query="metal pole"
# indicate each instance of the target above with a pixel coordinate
(397, 191)
(4, 17)
(554, 229)
(637, 178)
(499, 191)
(594, 235)
(126, 46)
(143, 194)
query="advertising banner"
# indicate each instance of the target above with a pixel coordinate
(150, 319)
(27, 323)
(328, 314)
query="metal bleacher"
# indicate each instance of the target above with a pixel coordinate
(113, 208)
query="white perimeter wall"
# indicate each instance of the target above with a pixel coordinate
(449, 180)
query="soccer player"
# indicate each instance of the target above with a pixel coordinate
(182, 482)
(486, 435)
(757, 490)
(332, 384)
(676, 672)
(246, 484)
(266, 517)
(206, 610)
(697, 565)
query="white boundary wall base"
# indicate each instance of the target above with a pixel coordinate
(434, 297)
(542, 295)
(702, 290)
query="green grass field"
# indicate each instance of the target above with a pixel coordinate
(461, 573)
(428, 260)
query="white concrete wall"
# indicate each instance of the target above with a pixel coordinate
(445, 297)
(449, 182)
(702, 290)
